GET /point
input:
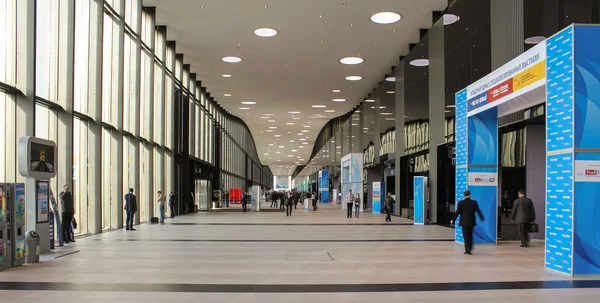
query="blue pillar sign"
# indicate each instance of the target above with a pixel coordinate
(324, 185)
(378, 195)
(419, 190)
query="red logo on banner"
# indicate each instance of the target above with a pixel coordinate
(478, 180)
(592, 172)
(503, 89)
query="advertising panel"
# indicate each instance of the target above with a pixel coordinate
(42, 193)
(419, 199)
(377, 197)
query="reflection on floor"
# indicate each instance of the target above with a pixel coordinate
(310, 257)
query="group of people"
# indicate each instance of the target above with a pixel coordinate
(131, 207)
(353, 202)
(523, 214)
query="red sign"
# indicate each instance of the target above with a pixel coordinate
(503, 89)
(592, 172)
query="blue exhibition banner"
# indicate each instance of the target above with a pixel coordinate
(586, 223)
(324, 185)
(419, 199)
(377, 197)
(461, 153)
(559, 90)
(559, 142)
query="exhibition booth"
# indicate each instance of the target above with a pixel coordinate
(563, 72)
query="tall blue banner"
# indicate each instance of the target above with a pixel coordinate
(419, 188)
(559, 148)
(324, 185)
(461, 153)
(378, 196)
(586, 242)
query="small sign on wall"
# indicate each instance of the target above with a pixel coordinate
(483, 179)
(587, 171)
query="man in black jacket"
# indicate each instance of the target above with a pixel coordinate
(467, 209)
(523, 213)
(389, 207)
(68, 211)
(130, 209)
(172, 200)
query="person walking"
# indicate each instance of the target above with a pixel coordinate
(130, 209)
(161, 207)
(67, 207)
(357, 205)
(172, 200)
(523, 213)
(349, 201)
(389, 207)
(288, 206)
(466, 210)
(245, 198)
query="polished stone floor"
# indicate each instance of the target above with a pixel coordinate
(309, 257)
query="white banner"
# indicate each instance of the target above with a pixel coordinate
(483, 179)
(587, 171)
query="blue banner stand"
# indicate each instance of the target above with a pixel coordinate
(420, 200)
(378, 195)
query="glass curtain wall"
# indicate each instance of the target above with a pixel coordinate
(105, 83)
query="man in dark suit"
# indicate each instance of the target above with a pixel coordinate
(466, 210)
(130, 209)
(523, 213)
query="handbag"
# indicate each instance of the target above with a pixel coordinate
(534, 227)
(74, 223)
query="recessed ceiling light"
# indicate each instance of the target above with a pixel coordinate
(336, 91)
(339, 100)
(419, 62)
(451, 106)
(352, 60)
(281, 146)
(244, 108)
(386, 18)
(227, 95)
(279, 160)
(232, 59)
(269, 130)
(265, 32)
(365, 128)
(354, 124)
(226, 76)
(354, 78)
(306, 126)
(381, 107)
(290, 123)
(450, 19)
(267, 114)
(295, 118)
(293, 150)
(293, 113)
(305, 131)
(390, 119)
(271, 144)
(300, 146)
(330, 111)
(272, 121)
(391, 92)
(249, 102)
(264, 117)
(387, 114)
(448, 111)
(535, 39)
(265, 154)
(304, 143)
(390, 79)
(277, 136)
(319, 106)
(292, 141)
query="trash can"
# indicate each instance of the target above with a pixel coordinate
(32, 242)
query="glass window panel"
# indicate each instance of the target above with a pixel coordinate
(169, 108)
(8, 42)
(46, 49)
(81, 63)
(107, 68)
(159, 106)
(132, 13)
(159, 179)
(9, 140)
(146, 95)
(107, 203)
(80, 174)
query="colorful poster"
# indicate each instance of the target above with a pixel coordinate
(419, 198)
(3, 201)
(42, 190)
(376, 197)
(20, 201)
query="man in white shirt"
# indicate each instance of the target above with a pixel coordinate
(349, 200)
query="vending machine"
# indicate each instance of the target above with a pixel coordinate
(12, 226)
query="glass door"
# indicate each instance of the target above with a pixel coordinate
(202, 194)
